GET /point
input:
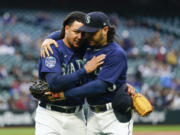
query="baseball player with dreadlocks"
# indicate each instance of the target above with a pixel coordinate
(104, 84)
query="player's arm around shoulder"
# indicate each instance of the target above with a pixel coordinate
(50, 40)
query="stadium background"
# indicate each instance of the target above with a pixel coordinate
(149, 31)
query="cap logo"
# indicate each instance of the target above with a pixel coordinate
(88, 19)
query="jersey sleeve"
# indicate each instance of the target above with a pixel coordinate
(51, 64)
(58, 82)
(89, 89)
(114, 67)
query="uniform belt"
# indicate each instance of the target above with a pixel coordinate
(101, 108)
(63, 109)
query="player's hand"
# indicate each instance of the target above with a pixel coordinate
(46, 47)
(94, 63)
(55, 96)
(131, 90)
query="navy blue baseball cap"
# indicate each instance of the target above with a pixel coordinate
(122, 106)
(94, 21)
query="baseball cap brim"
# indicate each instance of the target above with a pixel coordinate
(88, 29)
(123, 117)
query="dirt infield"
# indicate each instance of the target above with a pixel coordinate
(157, 133)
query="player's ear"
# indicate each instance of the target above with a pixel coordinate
(106, 28)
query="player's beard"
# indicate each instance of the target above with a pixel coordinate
(96, 43)
(77, 47)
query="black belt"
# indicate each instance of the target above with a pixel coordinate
(64, 109)
(101, 108)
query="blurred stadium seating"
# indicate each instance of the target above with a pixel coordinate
(152, 45)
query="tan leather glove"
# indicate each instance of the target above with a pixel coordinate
(141, 104)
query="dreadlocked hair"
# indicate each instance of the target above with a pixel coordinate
(111, 34)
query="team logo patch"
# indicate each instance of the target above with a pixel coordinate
(50, 62)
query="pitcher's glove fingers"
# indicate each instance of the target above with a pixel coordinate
(38, 89)
(141, 104)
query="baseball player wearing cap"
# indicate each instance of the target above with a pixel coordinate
(102, 85)
(64, 70)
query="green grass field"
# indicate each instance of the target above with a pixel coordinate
(156, 128)
(149, 128)
(17, 131)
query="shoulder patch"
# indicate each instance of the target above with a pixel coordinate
(50, 62)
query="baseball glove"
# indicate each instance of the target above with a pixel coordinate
(38, 88)
(141, 104)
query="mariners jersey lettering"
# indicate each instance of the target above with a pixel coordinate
(112, 71)
(63, 62)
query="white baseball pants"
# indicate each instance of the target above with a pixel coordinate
(48, 122)
(106, 122)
